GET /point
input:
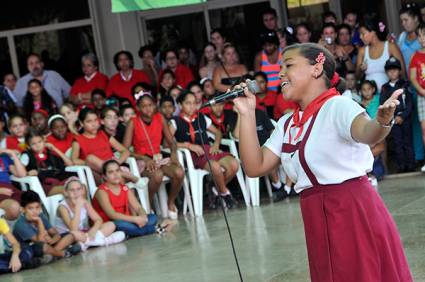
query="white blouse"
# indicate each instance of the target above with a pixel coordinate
(331, 153)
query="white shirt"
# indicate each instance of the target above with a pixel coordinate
(331, 153)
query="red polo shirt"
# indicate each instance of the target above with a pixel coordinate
(183, 75)
(122, 89)
(81, 85)
(282, 105)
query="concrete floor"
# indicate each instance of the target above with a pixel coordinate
(269, 241)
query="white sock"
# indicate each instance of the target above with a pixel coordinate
(277, 185)
(288, 189)
(225, 193)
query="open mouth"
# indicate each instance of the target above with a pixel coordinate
(284, 83)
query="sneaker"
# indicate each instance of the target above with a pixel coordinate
(45, 259)
(114, 238)
(279, 195)
(229, 201)
(99, 240)
(423, 168)
(174, 215)
(74, 249)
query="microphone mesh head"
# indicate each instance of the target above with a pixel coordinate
(252, 86)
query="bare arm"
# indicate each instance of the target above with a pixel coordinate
(256, 161)
(371, 132)
(17, 169)
(257, 62)
(66, 160)
(75, 155)
(359, 62)
(15, 263)
(395, 51)
(104, 202)
(135, 205)
(169, 138)
(217, 80)
(124, 152)
(128, 136)
(94, 217)
(236, 130)
(73, 223)
(415, 83)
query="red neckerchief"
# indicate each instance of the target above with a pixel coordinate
(218, 122)
(41, 157)
(189, 121)
(310, 110)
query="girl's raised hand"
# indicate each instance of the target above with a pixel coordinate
(245, 105)
(386, 111)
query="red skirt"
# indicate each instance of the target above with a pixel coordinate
(16, 193)
(201, 161)
(351, 236)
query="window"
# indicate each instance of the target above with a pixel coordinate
(168, 32)
(61, 49)
(5, 64)
(20, 14)
(242, 25)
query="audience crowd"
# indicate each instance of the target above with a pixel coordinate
(47, 125)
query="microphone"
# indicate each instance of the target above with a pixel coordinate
(251, 84)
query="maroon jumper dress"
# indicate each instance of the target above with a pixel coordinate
(350, 234)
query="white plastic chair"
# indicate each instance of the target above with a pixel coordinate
(239, 174)
(196, 177)
(32, 183)
(1, 236)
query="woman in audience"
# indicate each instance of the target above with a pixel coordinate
(145, 133)
(147, 54)
(209, 61)
(190, 136)
(218, 39)
(115, 202)
(344, 41)
(38, 98)
(76, 215)
(303, 33)
(377, 50)
(230, 72)
(80, 93)
(121, 83)
(182, 73)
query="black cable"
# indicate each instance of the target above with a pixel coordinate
(235, 256)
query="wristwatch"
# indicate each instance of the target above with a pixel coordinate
(389, 125)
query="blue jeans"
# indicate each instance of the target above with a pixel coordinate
(132, 230)
(25, 256)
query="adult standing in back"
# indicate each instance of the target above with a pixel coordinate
(127, 76)
(52, 81)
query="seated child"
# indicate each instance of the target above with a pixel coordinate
(221, 118)
(93, 147)
(145, 133)
(127, 112)
(115, 202)
(351, 84)
(16, 259)
(208, 87)
(67, 110)
(77, 216)
(167, 107)
(111, 124)
(40, 161)
(60, 137)
(33, 230)
(168, 80)
(401, 132)
(265, 99)
(39, 121)
(98, 99)
(190, 136)
(264, 130)
(18, 127)
(370, 99)
(10, 196)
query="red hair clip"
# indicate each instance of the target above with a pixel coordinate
(335, 79)
(321, 58)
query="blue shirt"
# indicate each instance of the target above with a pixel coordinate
(5, 162)
(25, 230)
(53, 82)
(407, 48)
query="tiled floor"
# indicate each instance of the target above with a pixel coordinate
(269, 241)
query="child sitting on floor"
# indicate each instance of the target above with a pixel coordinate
(77, 216)
(33, 230)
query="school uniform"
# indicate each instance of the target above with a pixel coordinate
(147, 137)
(350, 234)
(224, 121)
(401, 134)
(187, 130)
(98, 146)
